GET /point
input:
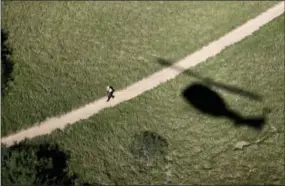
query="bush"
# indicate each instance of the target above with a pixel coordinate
(149, 147)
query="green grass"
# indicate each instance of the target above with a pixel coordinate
(65, 53)
(192, 147)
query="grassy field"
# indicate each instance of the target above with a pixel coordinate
(159, 138)
(65, 53)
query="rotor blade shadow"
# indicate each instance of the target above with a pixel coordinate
(209, 82)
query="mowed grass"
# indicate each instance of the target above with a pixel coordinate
(65, 53)
(184, 145)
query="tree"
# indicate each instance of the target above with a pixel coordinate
(6, 63)
(43, 164)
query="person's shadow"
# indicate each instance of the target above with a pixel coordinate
(209, 102)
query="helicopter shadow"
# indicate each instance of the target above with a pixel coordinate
(211, 103)
(207, 101)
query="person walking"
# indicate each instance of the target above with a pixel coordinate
(110, 92)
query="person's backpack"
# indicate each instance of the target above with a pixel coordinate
(112, 88)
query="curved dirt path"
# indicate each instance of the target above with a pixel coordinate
(149, 82)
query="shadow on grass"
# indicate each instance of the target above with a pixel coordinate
(209, 102)
(149, 147)
(6, 63)
(43, 164)
(209, 82)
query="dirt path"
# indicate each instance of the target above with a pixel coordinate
(149, 82)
